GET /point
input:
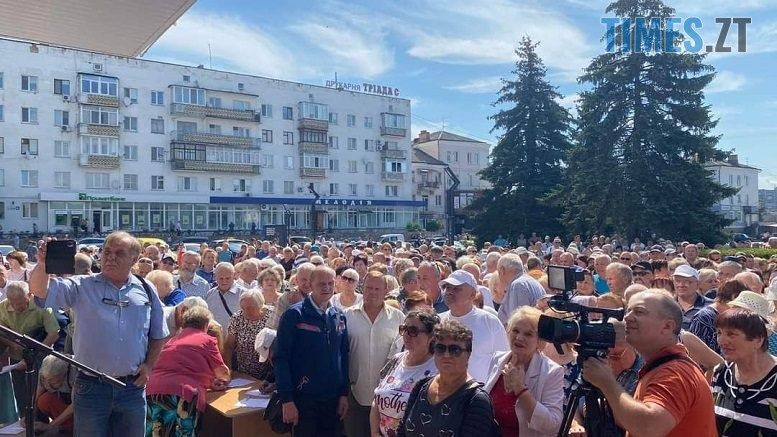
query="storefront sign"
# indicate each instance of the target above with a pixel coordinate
(84, 196)
(365, 87)
(344, 202)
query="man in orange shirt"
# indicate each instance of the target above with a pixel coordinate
(672, 397)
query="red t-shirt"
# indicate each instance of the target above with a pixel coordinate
(186, 366)
(504, 408)
(679, 387)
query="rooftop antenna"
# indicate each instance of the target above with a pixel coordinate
(210, 58)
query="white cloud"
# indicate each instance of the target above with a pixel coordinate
(488, 32)
(351, 41)
(726, 81)
(234, 44)
(715, 7)
(483, 85)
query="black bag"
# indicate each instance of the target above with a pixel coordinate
(273, 414)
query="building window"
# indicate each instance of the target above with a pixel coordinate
(187, 183)
(369, 167)
(2, 113)
(731, 180)
(315, 111)
(288, 163)
(62, 149)
(214, 129)
(268, 161)
(739, 199)
(333, 118)
(370, 190)
(334, 165)
(314, 161)
(288, 113)
(266, 136)
(61, 118)
(29, 146)
(62, 87)
(157, 182)
(157, 97)
(157, 126)
(267, 186)
(393, 120)
(30, 83)
(189, 96)
(97, 180)
(243, 132)
(2, 85)
(241, 105)
(214, 102)
(2, 182)
(29, 209)
(266, 110)
(393, 167)
(100, 115)
(352, 166)
(158, 154)
(392, 191)
(131, 94)
(351, 143)
(368, 122)
(747, 180)
(352, 189)
(61, 179)
(2, 145)
(438, 200)
(130, 124)
(351, 120)
(288, 187)
(288, 138)
(215, 184)
(241, 185)
(186, 78)
(334, 142)
(131, 182)
(107, 86)
(92, 145)
(369, 145)
(333, 189)
(312, 136)
(30, 115)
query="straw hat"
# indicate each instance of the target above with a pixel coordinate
(752, 301)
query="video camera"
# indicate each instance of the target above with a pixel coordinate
(592, 339)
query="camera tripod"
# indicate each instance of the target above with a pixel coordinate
(598, 419)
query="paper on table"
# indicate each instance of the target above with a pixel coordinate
(253, 403)
(239, 382)
(12, 429)
(256, 393)
(11, 367)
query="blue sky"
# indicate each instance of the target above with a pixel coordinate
(448, 56)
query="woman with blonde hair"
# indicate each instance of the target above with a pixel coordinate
(270, 281)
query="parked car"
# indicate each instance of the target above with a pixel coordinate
(298, 239)
(234, 244)
(91, 241)
(740, 238)
(6, 249)
(194, 247)
(391, 238)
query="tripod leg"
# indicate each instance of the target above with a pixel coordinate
(31, 379)
(569, 412)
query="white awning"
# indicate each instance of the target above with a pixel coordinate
(117, 27)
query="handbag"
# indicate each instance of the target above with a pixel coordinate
(273, 414)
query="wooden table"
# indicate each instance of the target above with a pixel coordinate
(223, 419)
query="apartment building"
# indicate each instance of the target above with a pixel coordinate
(138, 145)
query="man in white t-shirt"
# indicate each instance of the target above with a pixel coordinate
(488, 333)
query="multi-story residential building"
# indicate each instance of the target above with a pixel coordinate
(767, 200)
(428, 176)
(741, 207)
(465, 158)
(125, 143)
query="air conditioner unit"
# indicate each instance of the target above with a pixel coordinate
(97, 67)
(127, 101)
(66, 128)
(264, 207)
(65, 98)
(248, 194)
(300, 190)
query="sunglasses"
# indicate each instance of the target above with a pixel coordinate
(625, 259)
(453, 350)
(411, 331)
(145, 261)
(348, 279)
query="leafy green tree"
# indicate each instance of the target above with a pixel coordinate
(526, 164)
(413, 227)
(644, 136)
(433, 226)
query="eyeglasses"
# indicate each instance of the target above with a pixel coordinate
(348, 279)
(453, 350)
(411, 331)
(625, 258)
(145, 261)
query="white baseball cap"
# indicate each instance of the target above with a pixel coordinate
(686, 271)
(460, 277)
(263, 342)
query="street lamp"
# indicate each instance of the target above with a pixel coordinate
(313, 215)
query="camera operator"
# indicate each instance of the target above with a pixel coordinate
(672, 396)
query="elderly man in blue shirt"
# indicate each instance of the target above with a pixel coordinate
(120, 332)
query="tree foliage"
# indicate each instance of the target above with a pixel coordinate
(644, 135)
(526, 164)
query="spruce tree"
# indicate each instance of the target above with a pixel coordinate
(526, 163)
(643, 137)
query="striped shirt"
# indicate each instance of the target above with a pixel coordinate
(744, 410)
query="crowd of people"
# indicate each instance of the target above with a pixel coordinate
(395, 340)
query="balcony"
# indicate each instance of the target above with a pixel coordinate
(313, 148)
(100, 100)
(428, 186)
(390, 176)
(222, 140)
(307, 172)
(218, 167)
(99, 161)
(209, 111)
(313, 124)
(393, 153)
(393, 131)
(98, 129)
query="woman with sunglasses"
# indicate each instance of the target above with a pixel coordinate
(401, 373)
(451, 402)
(345, 290)
(527, 388)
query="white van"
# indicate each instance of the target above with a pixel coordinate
(391, 238)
